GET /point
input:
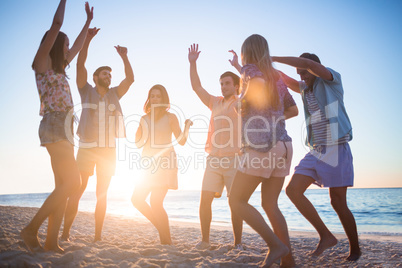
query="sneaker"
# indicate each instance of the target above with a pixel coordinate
(239, 247)
(202, 245)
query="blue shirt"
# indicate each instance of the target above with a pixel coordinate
(329, 96)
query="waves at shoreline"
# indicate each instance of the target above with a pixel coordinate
(377, 211)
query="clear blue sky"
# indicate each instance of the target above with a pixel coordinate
(360, 39)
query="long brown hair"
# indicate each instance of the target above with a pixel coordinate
(159, 111)
(59, 62)
(255, 50)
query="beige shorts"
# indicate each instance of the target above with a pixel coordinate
(103, 158)
(219, 172)
(274, 163)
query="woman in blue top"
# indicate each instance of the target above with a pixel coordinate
(267, 149)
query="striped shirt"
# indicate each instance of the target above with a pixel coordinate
(320, 124)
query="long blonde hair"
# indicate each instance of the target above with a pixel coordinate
(255, 51)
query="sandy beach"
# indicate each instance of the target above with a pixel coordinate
(133, 242)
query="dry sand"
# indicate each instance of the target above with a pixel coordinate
(133, 242)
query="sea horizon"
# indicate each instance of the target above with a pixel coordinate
(377, 210)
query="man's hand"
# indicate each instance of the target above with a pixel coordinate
(121, 50)
(193, 53)
(89, 11)
(92, 32)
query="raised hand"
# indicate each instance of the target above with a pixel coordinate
(89, 11)
(121, 50)
(188, 123)
(193, 53)
(235, 60)
(92, 32)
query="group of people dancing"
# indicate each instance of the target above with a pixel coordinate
(247, 126)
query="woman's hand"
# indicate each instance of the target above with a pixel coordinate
(89, 11)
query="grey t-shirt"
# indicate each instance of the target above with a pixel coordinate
(101, 118)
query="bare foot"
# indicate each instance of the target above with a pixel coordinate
(97, 238)
(324, 244)
(288, 261)
(31, 240)
(288, 264)
(56, 249)
(273, 255)
(65, 238)
(354, 256)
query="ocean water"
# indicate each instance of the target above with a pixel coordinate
(377, 211)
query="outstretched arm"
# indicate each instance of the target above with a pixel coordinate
(126, 83)
(193, 54)
(313, 67)
(81, 37)
(82, 74)
(235, 61)
(181, 137)
(290, 112)
(291, 83)
(40, 63)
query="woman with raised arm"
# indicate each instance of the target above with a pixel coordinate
(267, 149)
(56, 126)
(154, 134)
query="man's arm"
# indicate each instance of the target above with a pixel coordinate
(291, 83)
(78, 43)
(82, 75)
(195, 79)
(126, 83)
(313, 67)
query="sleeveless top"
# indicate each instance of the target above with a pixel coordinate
(159, 151)
(54, 92)
(159, 140)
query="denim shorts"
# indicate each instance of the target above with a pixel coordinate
(54, 127)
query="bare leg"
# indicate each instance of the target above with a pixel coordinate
(237, 224)
(160, 215)
(295, 192)
(243, 187)
(54, 223)
(270, 190)
(102, 185)
(66, 171)
(206, 214)
(138, 199)
(72, 207)
(339, 203)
